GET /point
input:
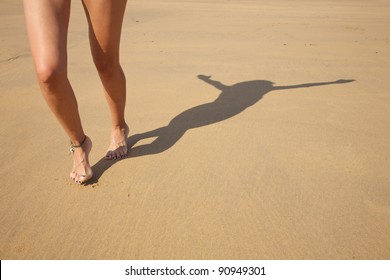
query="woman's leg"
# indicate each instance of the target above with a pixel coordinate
(105, 19)
(47, 26)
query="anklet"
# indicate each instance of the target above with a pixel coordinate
(72, 146)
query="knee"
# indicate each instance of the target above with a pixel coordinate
(50, 74)
(105, 64)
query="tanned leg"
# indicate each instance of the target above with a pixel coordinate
(47, 26)
(105, 19)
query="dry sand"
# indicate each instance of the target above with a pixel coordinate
(262, 172)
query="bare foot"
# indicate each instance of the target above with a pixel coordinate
(82, 170)
(118, 145)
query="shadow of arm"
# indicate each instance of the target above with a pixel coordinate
(312, 84)
(216, 84)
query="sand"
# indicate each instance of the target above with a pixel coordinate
(271, 158)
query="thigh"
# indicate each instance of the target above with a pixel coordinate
(47, 26)
(105, 19)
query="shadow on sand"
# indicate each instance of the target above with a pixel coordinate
(231, 101)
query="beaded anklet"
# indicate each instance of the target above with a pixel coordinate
(73, 146)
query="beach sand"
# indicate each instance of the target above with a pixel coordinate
(269, 158)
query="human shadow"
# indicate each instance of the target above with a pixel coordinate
(232, 100)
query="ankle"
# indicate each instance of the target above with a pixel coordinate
(121, 126)
(77, 144)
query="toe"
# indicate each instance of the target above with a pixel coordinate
(77, 179)
(72, 175)
(82, 179)
(109, 155)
